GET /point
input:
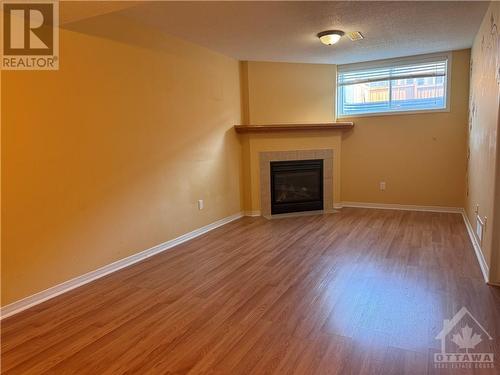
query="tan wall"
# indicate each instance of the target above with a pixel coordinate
(495, 223)
(290, 93)
(109, 155)
(483, 166)
(421, 157)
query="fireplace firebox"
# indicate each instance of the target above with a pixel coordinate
(296, 185)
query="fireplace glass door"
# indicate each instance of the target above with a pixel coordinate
(296, 185)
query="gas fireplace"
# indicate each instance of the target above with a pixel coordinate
(296, 185)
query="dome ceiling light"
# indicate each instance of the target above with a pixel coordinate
(330, 37)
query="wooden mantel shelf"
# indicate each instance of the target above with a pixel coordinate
(293, 127)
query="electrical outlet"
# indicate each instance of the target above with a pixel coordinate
(382, 185)
(200, 204)
(476, 210)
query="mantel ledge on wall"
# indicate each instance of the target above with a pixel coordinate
(268, 128)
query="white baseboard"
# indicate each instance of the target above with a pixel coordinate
(66, 286)
(253, 213)
(404, 207)
(477, 248)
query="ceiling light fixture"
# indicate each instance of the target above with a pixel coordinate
(330, 37)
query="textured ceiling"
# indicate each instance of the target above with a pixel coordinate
(73, 11)
(285, 31)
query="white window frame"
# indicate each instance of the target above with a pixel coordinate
(390, 62)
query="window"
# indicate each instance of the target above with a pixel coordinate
(411, 84)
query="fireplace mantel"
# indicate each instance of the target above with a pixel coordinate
(293, 127)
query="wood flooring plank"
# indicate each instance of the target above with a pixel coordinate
(361, 291)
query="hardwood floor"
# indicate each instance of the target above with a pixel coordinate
(357, 292)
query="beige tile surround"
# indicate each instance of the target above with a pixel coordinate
(265, 159)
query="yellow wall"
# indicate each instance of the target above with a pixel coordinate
(109, 155)
(483, 167)
(290, 93)
(421, 157)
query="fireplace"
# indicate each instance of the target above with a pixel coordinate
(296, 185)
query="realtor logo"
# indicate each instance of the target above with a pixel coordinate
(465, 343)
(30, 35)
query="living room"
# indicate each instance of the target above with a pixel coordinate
(250, 187)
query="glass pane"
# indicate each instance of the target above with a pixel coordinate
(296, 186)
(418, 93)
(405, 95)
(365, 98)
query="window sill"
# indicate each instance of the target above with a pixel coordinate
(398, 113)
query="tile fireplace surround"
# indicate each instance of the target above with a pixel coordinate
(265, 159)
